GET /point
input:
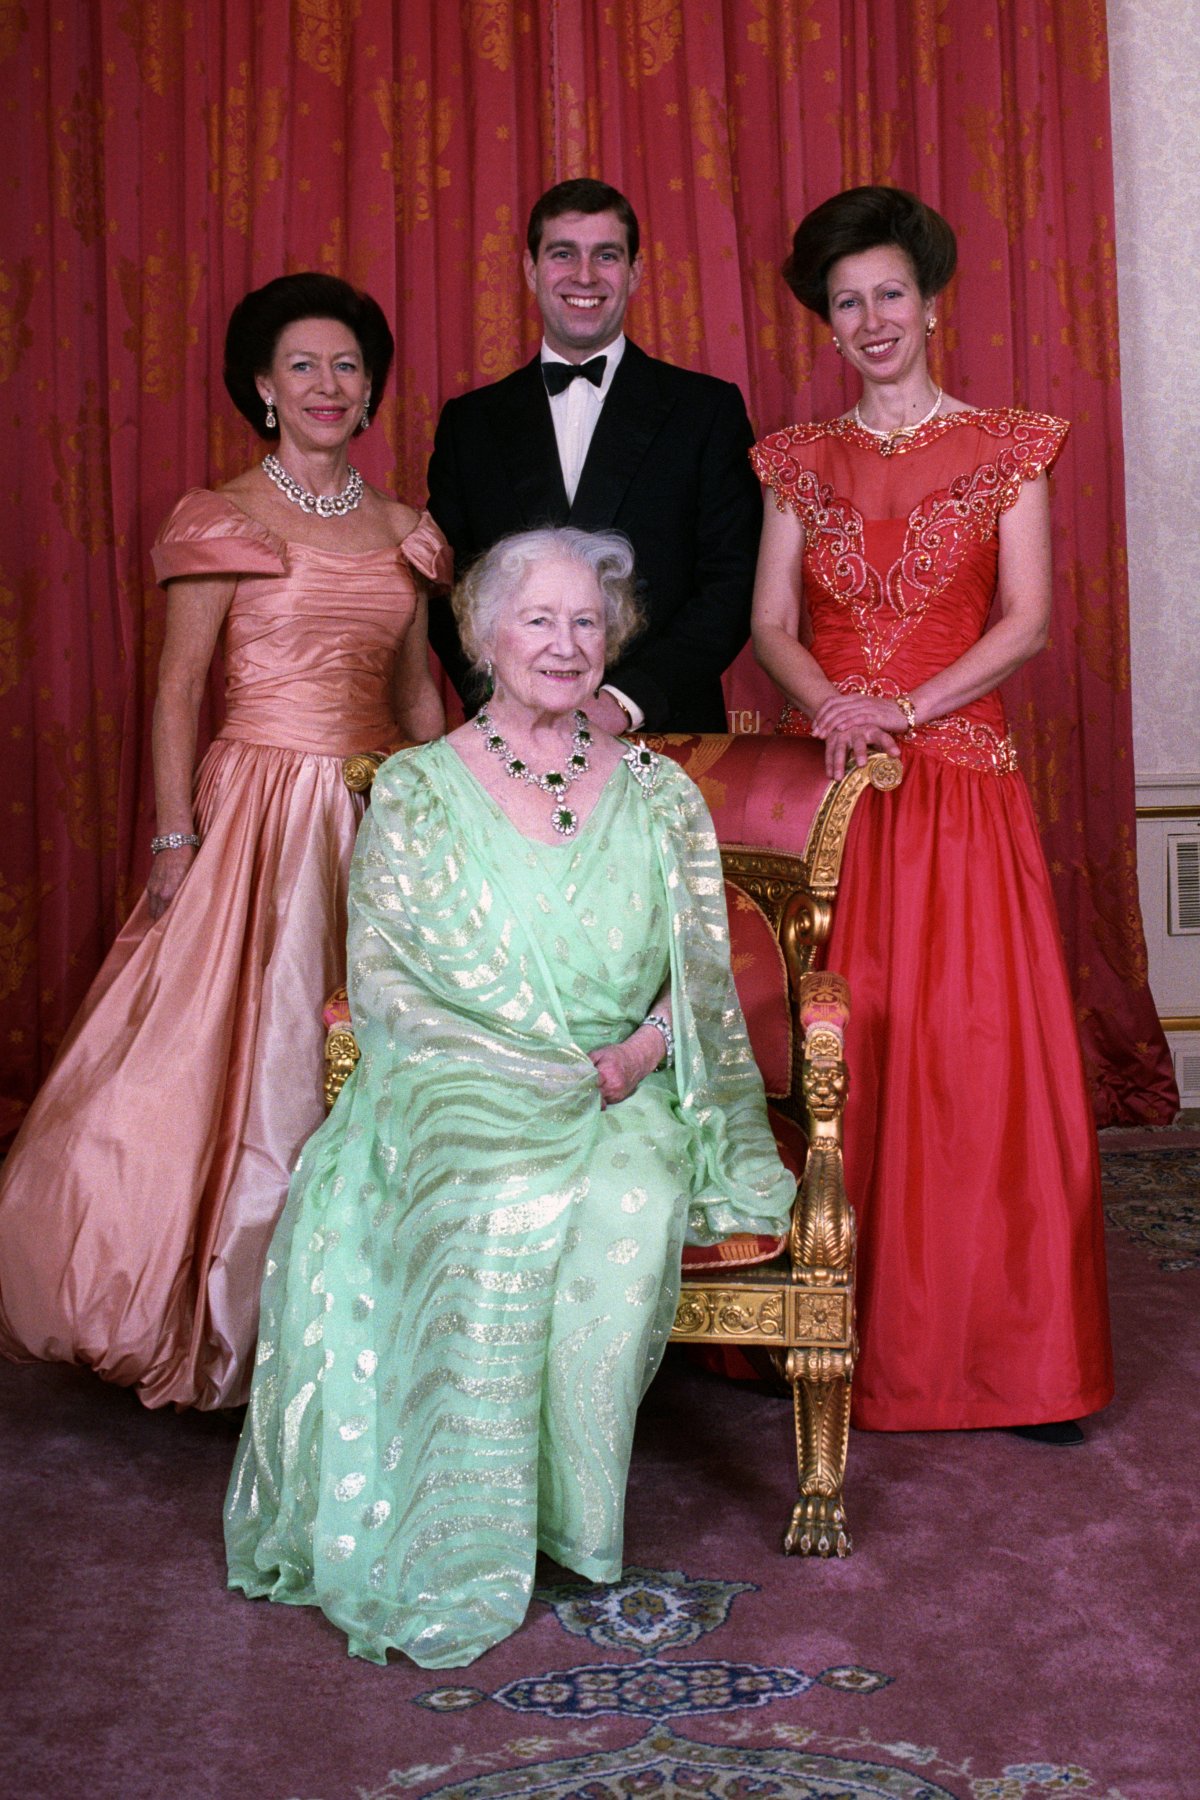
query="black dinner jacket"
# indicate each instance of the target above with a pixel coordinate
(667, 465)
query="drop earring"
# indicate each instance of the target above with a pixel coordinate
(270, 420)
(838, 347)
(931, 326)
(366, 412)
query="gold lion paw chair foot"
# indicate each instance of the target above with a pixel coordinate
(782, 827)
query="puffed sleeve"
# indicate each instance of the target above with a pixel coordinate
(206, 534)
(428, 552)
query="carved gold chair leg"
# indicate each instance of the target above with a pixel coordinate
(821, 1399)
(821, 1366)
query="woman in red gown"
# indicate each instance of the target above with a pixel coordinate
(904, 574)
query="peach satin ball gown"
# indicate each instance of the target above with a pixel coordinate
(970, 1148)
(138, 1201)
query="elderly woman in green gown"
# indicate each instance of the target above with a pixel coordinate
(476, 1273)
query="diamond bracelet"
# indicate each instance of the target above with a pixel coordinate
(668, 1037)
(173, 840)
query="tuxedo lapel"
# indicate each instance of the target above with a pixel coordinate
(524, 432)
(631, 417)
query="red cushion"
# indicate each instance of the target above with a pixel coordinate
(740, 1252)
(790, 1141)
(760, 975)
(761, 791)
(748, 1248)
(336, 1010)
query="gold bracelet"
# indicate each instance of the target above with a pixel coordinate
(904, 702)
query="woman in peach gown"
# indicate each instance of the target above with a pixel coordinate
(138, 1201)
(904, 573)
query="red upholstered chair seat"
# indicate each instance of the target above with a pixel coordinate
(746, 1249)
(761, 977)
(337, 1010)
(761, 791)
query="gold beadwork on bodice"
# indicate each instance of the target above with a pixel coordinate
(909, 570)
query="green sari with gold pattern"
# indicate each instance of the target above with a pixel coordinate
(476, 1273)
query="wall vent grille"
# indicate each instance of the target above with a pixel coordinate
(1183, 884)
(1187, 1074)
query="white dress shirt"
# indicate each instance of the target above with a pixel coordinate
(575, 413)
(576, 410)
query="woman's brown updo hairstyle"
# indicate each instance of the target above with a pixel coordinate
(862, 218)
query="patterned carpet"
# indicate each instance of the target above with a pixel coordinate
(1016, 1623)
(796, 1765)
(1154, 1197)
(657, 1612)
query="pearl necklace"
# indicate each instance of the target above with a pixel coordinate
(555, 782)
(326, 506)
(889, 438)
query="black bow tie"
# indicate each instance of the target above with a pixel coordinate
(560, 375)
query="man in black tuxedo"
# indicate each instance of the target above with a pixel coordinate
(595, 433)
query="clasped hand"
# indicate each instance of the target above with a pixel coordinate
(620, 1068)
(856, 724)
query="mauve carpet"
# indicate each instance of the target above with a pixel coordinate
(1016, 1622)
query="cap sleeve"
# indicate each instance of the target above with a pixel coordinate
(1040, 436)
(428, 552)
(1034, 442)
(206, 534)
(781, 464)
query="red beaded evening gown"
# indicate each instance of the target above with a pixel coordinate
(970, 1147)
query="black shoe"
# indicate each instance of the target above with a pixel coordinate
(1065, 1433)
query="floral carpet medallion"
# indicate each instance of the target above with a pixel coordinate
(652, 1689)
(662, 1766)
(649, 1613)
(648, 1609)
(1154, 1196)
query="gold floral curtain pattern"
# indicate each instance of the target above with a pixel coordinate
(163, 158)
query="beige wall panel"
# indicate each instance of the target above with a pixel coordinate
(1154, 48)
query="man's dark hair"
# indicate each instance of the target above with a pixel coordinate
(581, 196)
(257, 321)
(863, 218)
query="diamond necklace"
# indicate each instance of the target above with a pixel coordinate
(889, 438)
(326, 506)
(554, 782)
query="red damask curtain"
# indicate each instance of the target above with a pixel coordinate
(163, 158)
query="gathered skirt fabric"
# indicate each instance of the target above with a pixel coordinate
(139, 1198)
(971, 1155)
